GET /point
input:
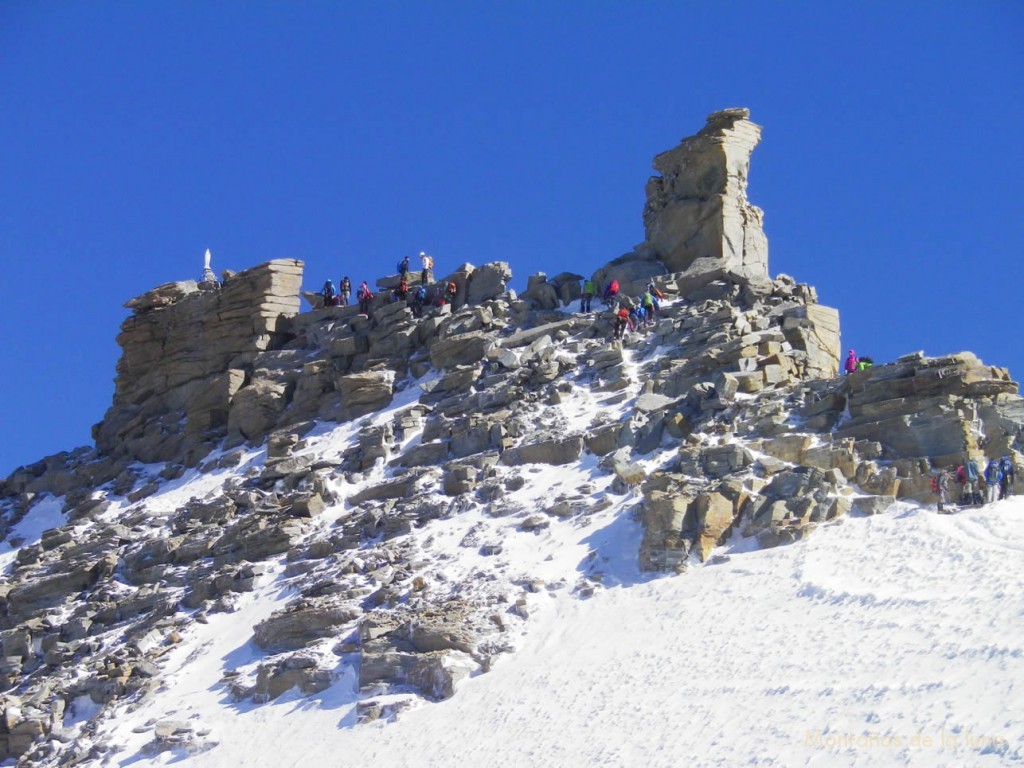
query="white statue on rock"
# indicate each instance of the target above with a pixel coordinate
(208, 275)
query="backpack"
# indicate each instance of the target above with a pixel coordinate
(588, 288)
(451, 289)
(614, 287)
(971, 470)
(421, 293)
(961, 475)
(935, 484)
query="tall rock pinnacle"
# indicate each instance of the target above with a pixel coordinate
(697, 218)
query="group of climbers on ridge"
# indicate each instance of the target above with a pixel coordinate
(977, 487)
(854, 363)
(999, 475)
(997, 480)
(628, 313)
(425, 294)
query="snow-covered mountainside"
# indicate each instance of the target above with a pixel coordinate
(883, 640)
(887, 640)
(492, 532)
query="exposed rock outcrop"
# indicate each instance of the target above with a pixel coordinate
(697, 217)
(186, 351)
(351, 471)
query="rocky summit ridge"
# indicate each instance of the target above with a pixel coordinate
(366, 482)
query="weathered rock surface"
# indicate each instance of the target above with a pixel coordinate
(559, 451)
(177, 350)
(697, 217)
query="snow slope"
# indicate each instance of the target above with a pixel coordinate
(889, 640)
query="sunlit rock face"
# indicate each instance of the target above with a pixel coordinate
(697, 218)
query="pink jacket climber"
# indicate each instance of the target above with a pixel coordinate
(851, 362)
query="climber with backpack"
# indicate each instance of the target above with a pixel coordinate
(328, 293)
(1009, 475)
(402, 291)
(365, 296)
(972, 492)
(993, 479)
(851, 362)
(345, 291)
(403, 268)
(611, 292)
(419, 300)
(940, 487)
(428, 267)
(647, 302)
(450, 290)
(621, 321)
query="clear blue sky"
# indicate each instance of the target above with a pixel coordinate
(135, 135)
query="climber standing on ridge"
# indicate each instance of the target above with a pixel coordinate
(851, 362)
(993, 479)
(972, 493)
(1009, 475)
(365, 296)
(611, 292)
(587, 295)
(621, 321)
(637, 317)
(961, 479)
(450, 291)
(403, 268)
(940, 487)
(428, 267)
(419, 300)
(402, 291)
(647, 301)
(656, 298)
(345, 291)
(328, 293)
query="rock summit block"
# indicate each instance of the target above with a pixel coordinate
(697, 218)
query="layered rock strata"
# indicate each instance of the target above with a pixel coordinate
(697, 217)
(187, 349)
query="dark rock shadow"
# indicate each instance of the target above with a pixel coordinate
(614, 550)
